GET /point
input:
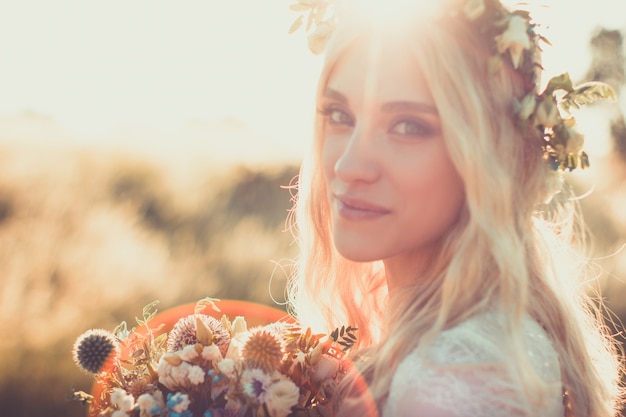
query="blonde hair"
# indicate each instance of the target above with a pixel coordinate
(506, 250)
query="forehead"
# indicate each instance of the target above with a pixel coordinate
(384, 69)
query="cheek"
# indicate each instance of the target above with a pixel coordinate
(435, 194)
(329, 154)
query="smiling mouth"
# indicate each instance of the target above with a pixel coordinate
(356, 209)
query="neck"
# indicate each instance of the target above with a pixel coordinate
(408, 270)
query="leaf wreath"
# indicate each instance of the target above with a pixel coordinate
(586, 93)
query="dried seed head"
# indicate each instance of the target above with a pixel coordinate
(262, 350)
(93, 348)
(185, 333)
(141, 386)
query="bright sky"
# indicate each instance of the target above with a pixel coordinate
(101, 66)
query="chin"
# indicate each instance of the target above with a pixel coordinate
(356, 254)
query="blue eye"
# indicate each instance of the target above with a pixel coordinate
(411, 128)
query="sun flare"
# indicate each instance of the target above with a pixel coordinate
(385, 11)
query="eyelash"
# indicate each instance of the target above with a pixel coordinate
(328, 112)
(422, 128)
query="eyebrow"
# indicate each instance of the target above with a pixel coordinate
(387, 107)
(409, 106)
(335, 95)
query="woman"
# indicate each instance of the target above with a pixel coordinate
(428, 216)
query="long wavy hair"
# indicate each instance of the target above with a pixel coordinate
(509, 250)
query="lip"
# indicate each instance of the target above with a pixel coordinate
(352, 208)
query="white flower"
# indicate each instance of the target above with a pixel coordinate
(196, 375)
(474, 9)
(117, 395)
(164, 370)
(146, 403)
(325, 368)
(281, 396)
(121, 400)
(514, 39)
(189, 353)
(211, 353)
(174, 376)
(547, 114)
(227, 367)
(255, 384)
(527, 106)
(182, 402)
(127, 404)
(180, 373)
(317, 40)
(149, 403)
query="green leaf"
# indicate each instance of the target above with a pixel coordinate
(585, 94)
(584, 160)
(334, 335)
(344, 337)
(121, 331)
(160, 340)
(148, 313)
(561, 82)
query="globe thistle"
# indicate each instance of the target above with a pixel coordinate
(93, 348)
(185, 332)
(262, 350)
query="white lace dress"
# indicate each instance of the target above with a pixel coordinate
(463, 378)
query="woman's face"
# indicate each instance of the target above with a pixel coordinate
(392, 188)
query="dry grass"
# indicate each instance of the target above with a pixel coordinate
(87, 239)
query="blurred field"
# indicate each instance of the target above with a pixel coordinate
(88, 238)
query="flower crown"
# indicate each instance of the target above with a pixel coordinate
(513, 40)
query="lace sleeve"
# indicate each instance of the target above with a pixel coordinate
(465, 376)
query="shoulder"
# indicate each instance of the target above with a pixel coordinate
(465, 373)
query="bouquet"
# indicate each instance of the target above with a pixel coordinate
(204, 366)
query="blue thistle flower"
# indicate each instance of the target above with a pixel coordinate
(93, 348)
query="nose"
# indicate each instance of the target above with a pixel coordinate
(358, 159)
